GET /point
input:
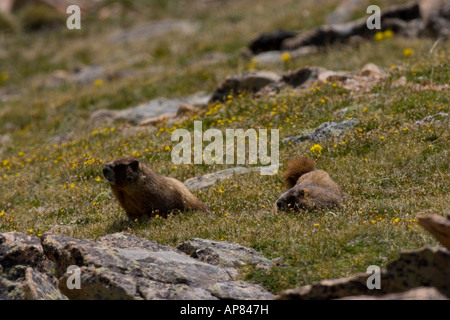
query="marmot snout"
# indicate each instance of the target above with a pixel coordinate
(308, 188)
(142, 192)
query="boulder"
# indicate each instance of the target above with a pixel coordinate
(344, 11)
(324, 131)
(155, 29)
(209, 179)
(436, 17)
(425, 267)
(299, 79)
(25, 272)
(433, 119)
(395, 18)
(421, 293)
(371, 69)
(251, 81)
(152, 112)
(6, 5)
(438, 226)
(302, 77)
(122, 266)
(155, 120)
(223, 253)
(88, 75)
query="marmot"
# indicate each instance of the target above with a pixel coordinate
(142, 192)
(308, 188)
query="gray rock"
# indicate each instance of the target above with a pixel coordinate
(125, 240)
(168, 116)
(88, 75)
(19, 249)
(207, 180)
(302, 78)
(121, 266)
(436, 17)
(324, 131)
(102, 118)
(344, 11)
(6, 5)
(239, 290)
(251, 81)
(152, 290)
(222, 253)
(427, 267)
(25, 272)
(438, 226)
(5, 139)
(432, 119)
(395, 18)
(40, 286)
(154, 29)
(158, 107)
(421, 293)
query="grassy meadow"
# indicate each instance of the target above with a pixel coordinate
(390, 168)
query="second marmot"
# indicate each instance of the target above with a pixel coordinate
(142, 192)
(308, 188)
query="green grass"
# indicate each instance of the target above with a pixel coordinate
(390, 169)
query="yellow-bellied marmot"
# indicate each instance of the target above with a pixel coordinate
(308, 188)
(142, 192)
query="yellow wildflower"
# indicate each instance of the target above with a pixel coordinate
(317, 148)
(286, 57)
(379, 36)
(98, 82)
(407, 52)
(388, 34)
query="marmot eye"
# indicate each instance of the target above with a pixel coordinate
(291, 198)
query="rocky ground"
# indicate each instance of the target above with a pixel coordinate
(121, 266)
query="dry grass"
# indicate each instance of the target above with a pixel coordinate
(390, 168)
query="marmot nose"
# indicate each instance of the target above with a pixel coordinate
(279, 204)
(107, 172)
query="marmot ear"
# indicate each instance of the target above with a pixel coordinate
(134, 164)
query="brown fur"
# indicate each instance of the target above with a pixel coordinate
(308, 188)
(142, 192)
(297, 168)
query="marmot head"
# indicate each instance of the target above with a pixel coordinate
(294, 199)
(122, 172)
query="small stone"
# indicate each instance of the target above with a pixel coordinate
(371, 69)
(325, 131)
(186, 108)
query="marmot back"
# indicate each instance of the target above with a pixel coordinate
(308, 188)
(142, 192)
